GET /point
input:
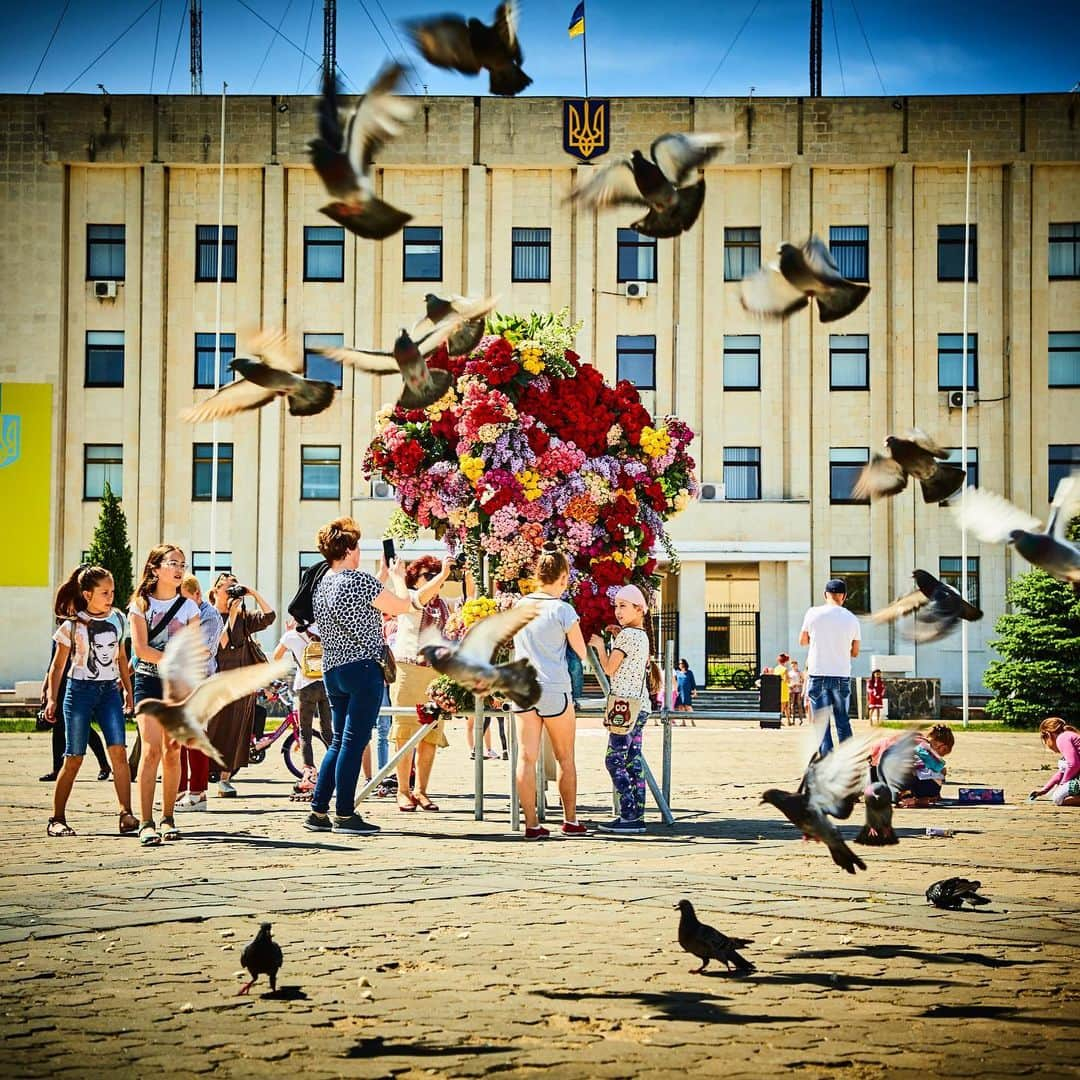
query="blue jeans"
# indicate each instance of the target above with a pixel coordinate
(382, 729)
(577, 675)
(355, 691)
(832, 692)
(85, 700)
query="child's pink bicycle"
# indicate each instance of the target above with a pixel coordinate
(290, 729)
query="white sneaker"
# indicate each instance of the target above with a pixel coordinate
(226, 790)
(191, 802)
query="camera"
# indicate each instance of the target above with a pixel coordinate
(458, 572)
(236, 592)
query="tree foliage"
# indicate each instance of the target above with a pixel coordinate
(110, 547)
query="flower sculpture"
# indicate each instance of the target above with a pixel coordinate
(531, 445)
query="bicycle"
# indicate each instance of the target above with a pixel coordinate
(290, 748)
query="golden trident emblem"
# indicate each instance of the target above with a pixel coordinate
(586, 127)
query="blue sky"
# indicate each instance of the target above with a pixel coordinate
(635, 46)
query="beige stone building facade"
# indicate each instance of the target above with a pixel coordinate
(108, 209)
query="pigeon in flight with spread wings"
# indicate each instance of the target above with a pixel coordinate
(801, 274)
(916, 455)
(995, 520)
(191, 699)
(938, 609)
(343, 156)
(470, 662)
(448, 41)
(660, 182)
(470, 314)
(270, 372)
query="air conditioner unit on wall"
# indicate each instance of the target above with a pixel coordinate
(105, 290)
(712, 492)
(635, 290)
(380, 489)
(959, 398)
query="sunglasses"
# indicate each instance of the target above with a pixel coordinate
(174, 565)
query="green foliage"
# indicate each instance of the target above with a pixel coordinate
(110, 547)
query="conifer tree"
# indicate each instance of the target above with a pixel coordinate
(110, 547)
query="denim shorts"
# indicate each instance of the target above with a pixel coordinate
(88, 700)
(147, 686)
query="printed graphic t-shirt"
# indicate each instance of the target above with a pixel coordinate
(97, 640)
(187, 611)
(629, 680)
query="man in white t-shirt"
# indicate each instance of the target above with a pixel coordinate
(832, 633)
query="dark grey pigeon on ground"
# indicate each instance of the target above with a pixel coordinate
(938, 609)
(707, 944)
(952, 893)
(262, 957)
(878, 830)
(916, 455)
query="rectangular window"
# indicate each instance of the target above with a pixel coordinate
(105, 252)
(1064, 358)
(742, 472)
(200, 563)
(205, 347)
(317, 366)
(1065, 251)
(423, 253)
(103, 463)
(530, 254)
(307, 560)
(849, 362)
(845, 464)
(202, 459)
(849, 246)
(636, 256)
(1063, 459)
(206, 245)
(320, 472)
(950, 361)
(742, 253)
(635, 360)
(324, 253)
(855, 570)
(950, 253)
(971, 468)
(742, 362)
(949, 572)
(104, 358)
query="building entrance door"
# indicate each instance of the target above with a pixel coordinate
(732, 645)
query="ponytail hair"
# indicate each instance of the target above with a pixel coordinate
(1051, 728)
(140, 598)
(69, 600)
(653, 676)
(551, 565)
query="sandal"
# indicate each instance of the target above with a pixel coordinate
(148, 834)
(169, 831)
(59, 827)
(129, 823)
(301, 796)
(426, 804)
(409, 806)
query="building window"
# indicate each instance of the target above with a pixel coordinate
(742, 472)
(1064, 358)
(206, 245)
(845, 464)
(317, 366)
(200, 563)
(949, 573)
(1064, 458)
(950, 253)
(855, 570)
(104, 358)
(1065, 251)
(849, 362)
(205, 347)
(950, 361)
(849, 246)
(636, 256)
(971, 469)
(324, 253)
(105, 252)
(202, 459)
(423, 253)
(742, 253)
(742, 362)
(635, 360)
(103, 463)
(320, 472)
(308, 559)
(530, 254)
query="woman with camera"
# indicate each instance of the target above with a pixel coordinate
(230, 730)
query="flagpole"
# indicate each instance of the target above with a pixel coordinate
(585, 56)
(217, 341)
(964, 625)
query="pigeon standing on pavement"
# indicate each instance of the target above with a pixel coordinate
(878, 830)
(938, 609)
(707, 943)
(917, 455)
(951, 894)
(995, 520)
(262, 957)
(801, 274)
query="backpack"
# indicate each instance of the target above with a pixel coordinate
(301, 605)
(311, 660)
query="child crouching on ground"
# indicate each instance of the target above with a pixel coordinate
(931, 750)
(1064, 786)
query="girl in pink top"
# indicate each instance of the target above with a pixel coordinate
(1064, 786)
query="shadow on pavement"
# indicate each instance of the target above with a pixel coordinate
(247, 840)
(678, 1005)
(893, 952)
(380, 1047)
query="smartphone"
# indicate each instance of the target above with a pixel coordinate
(388, 552)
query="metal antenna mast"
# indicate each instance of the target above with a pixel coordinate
(815, 48)
(329, 47)
(196, 46)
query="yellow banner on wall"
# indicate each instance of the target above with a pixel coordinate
(25, 482)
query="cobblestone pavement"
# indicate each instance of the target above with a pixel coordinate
(446, 947)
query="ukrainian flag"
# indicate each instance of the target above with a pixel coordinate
(577, 20)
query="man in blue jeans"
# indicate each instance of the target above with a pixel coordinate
(832, 633)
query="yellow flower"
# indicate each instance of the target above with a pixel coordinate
(435, 410)
(655, 441)
(480, 607)
(487, 433)
(472, 467)
(530, 484)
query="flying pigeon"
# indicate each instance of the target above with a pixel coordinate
(995, 520)
(782, 288)
(829, 789)
(917, 455)
(343, 158)
(951, 893)
(191, 700)
(448, 41)
(423, 385)
(896, 764)
(262, 957)
(938, 609)
(269, 373)
(659, 182)
(707, 944)
(470, 662)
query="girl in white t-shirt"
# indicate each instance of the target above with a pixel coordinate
(310, 694)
